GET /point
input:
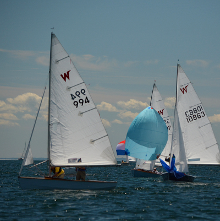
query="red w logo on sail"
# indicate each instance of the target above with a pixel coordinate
(160, 112)
(184, 89)
(66, 75)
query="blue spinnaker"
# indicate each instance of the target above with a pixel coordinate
(172, 168)
(147, 135)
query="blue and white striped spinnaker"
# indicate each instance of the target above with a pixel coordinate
(147, 135)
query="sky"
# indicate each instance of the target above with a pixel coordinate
(119, 47)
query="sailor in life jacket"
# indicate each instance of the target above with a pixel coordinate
(81, 172)
(58, 172)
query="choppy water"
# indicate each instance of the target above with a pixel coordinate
(133, 199)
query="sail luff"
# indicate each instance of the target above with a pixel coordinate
(48, 131)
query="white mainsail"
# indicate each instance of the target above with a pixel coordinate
(76, 129)
(158, 104)
(199, 140)
(177, 145)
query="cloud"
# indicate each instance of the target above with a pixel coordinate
(28, 116)
(132, 104)
(106, 123)
(199, 63)
(27, 104)
(43, 60)
(169, 102)
(8, 123)
(215, 118)
(104, 106)
(117, 121)
(151, 62)
(90, 62)
(127, 114)
(24, 98)
(8, 116)
(26, 55)
(130, 63)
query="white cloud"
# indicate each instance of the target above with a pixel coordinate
(104, 106)
(215, 118)
(25, 55)
(28, 116)
(43, 60)
(90, 62)
(132, 104)
(8, 123)
(127, 114)
(117, 121)
(130, 63)
(151, 62)
(169, 102)
(27, 104)
(8, 116)
(106, 123)
(199, 63)
(24, 98)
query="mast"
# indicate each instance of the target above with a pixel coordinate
(48, 139)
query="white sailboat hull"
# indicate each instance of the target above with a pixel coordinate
(48, 183)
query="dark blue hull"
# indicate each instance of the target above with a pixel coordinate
(170, 176)
(144, 173)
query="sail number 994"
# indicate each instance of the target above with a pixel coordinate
(195, 114)
(79, 98)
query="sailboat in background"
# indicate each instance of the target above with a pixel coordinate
(120, 150)
(76, 135)
(22, 155)
(158, 104)
(199, 140)
(193, 140)
(178, 166)
(144, 168)
(146, 138)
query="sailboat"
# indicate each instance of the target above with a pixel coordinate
(145, 168)
(22, 156)
(193, 139)
(178, 168)
(146, 138)
(120, 150)
(158, 104)
(200, 143)
(76, 135)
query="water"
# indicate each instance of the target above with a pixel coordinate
(133, 199)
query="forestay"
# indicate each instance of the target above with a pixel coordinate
(200, 143)
(76, 130)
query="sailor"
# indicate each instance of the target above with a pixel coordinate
(81, 172)
(155, 171)
(58, 172)
(167, 159)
